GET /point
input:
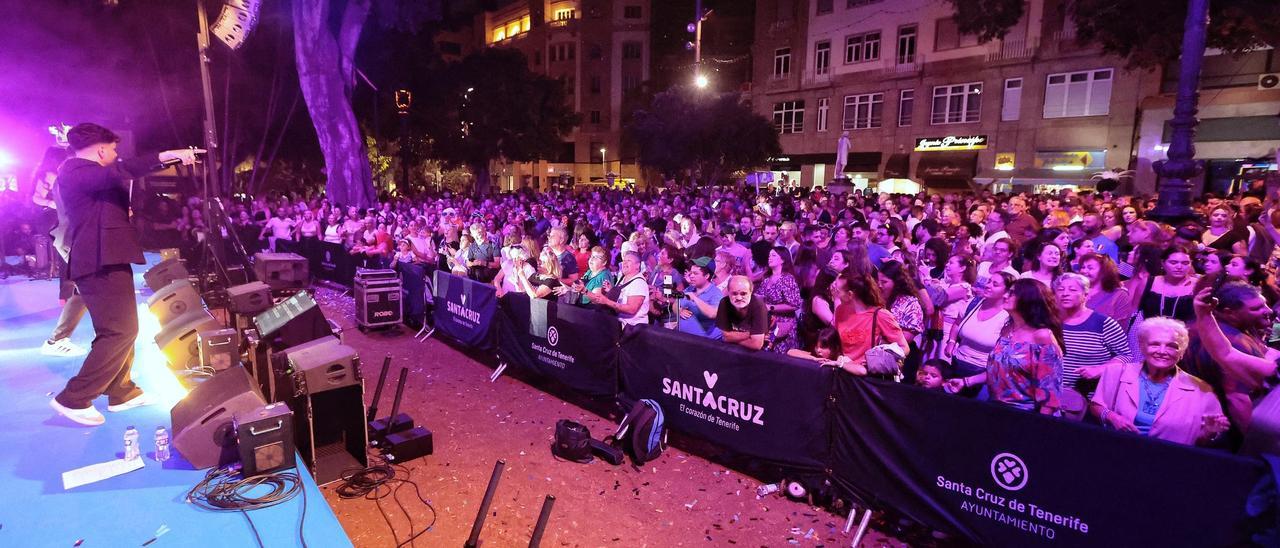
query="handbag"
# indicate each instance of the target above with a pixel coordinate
(882, 360)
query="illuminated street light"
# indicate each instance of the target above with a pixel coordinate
(701, 81)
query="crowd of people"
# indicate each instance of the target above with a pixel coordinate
(1075, 304)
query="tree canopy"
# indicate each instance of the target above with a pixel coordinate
(712, 134)
(490, 105)
(1145, 32)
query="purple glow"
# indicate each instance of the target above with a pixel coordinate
(6, 159)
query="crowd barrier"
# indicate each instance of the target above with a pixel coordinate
(328, 261)
(993, 475)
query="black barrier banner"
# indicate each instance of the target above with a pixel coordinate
(575, 345)
(464, 309)
(1003, 477)
(758, 404)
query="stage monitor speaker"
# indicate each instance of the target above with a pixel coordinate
(282, 270)
(203, 427)
(317, 366)
(174, 300)
(179, 341)
(219, 348)
(265, 439)
(250, 299)
(164, 273)
(291, 322)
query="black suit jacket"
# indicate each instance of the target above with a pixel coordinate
(96, 200)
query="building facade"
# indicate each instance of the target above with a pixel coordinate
(1239, 114)
(925, 103)
(600, 49)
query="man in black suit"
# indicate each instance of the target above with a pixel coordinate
(94, 187)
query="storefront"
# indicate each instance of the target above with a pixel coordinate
(1050, 170)
(949, 163)
(818, 169)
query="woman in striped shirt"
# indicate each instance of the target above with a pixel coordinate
(1092, 340)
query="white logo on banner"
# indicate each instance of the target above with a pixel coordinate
(710, 406)
(553, 336)
(1009, 471)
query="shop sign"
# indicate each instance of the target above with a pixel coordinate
(951, 142)
(1005, 161)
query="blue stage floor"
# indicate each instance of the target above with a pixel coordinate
(37, 446)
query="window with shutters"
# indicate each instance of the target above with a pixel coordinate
(947, 36)
(956, 104)
(631, 12)
(595, 85)
(1012, 103)
(906, 104)
(595, 117)
(632, 50)
(824, 108)
(788, 116)
(863, 111)
(1084, 93)
(822, 58)
(825, 6)
(860, 48)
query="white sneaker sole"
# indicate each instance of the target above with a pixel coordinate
(76, 416)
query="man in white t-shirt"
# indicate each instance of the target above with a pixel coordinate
(630, 296)
(1001, 260)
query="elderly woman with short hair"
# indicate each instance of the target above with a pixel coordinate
(1155, 398)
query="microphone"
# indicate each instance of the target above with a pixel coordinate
(166, 164)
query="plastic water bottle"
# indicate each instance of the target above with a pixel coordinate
(162, 444)
(131, 451)
(766, 490)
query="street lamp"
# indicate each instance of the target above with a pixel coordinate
(604, 165)
(695, 27)
(700, 81)
(1173, 202)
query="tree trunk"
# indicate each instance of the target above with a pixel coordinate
(324, 72)
(483, 178)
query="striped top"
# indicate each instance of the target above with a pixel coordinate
(1094, 341)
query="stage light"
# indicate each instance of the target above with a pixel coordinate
(151, 367)
(1068, 168)
(6, 159)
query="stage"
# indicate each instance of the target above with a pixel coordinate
(38, 445)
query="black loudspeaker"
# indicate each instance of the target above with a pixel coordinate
(174, 300)
(219, 348)
(202, 422)
(250, 299)
(317, 366)
(165, 273)
(408, 445)
(179, 341)
(282, 270)
(265, 439)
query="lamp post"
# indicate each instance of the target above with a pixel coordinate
(604, 165)
(1174, 194)
(699, 79)
(404, 100)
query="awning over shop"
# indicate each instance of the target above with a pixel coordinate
(898, 166)
(962, 165)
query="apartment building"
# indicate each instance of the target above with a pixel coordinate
(1239, 114)
(923, 102)
(601, 50)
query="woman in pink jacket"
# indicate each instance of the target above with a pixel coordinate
(1155, 398)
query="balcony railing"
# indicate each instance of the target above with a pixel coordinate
(1005, 50)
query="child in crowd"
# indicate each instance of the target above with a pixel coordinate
(930, 375)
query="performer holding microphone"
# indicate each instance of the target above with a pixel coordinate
(94, 189)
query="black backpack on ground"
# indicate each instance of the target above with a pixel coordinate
(573, 442)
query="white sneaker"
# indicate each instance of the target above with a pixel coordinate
(62, 348)
(88, 416)
(137, 401)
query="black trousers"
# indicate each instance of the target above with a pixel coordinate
(108, 294)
